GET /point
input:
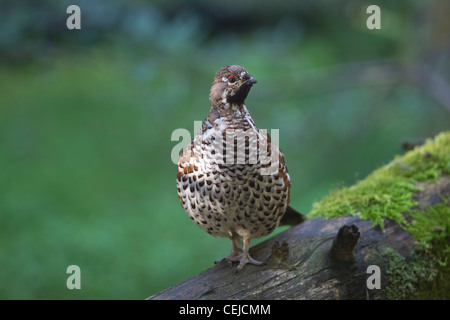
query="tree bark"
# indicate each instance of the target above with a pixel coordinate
(317, 259)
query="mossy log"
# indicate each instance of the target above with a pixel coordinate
(318, 259)
(397, 218)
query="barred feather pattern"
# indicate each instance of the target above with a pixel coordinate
(242, 194)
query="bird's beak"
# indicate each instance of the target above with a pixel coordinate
(250, 81)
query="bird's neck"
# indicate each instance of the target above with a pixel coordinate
(228, 112)
(226, 116)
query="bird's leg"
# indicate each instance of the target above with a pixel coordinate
(236, 252)
(245, 257)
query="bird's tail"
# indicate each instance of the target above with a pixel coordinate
(292, 217)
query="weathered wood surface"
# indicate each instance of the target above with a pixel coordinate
(307, 268)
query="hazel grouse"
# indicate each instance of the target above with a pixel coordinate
(225, 182)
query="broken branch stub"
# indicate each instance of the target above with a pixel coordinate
(344, 243)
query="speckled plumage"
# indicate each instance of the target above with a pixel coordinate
(229, 187)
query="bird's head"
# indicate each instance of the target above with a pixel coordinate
(231, 85)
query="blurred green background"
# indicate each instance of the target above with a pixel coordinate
(86, 118)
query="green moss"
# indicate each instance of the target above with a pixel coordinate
(431, 229)
(404, 275)
(434, 220)
(428, 162)
(425, 274)
(388, 191)
(377, 197)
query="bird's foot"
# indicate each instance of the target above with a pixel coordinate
(245, 259)
(233, 257)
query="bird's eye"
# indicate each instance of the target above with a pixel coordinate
(231, 79)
